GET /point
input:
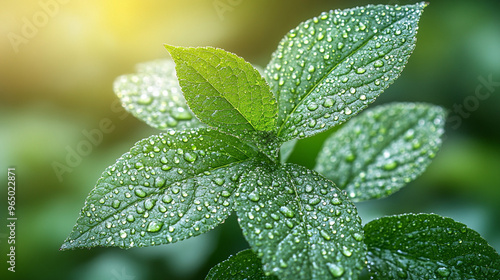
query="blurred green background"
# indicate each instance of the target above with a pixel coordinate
(58, 83)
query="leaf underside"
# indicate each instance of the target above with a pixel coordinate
(300, 224)
(332, 66)
(154, 96)
(428, 246)
(167, 188)
(381, 150)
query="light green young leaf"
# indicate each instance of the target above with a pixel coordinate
(167, 188)
(224, 91)
(243, 266)
(300, 224)
(428, 246)
(381, 150)
(154, 96)
(332, 66)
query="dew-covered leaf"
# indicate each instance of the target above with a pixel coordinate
(287, 149)
(381, 150)
(167, 188)
(154, 96)
(300, 224)
(224, 91)
(243, 266)
(332, 66)
(428, 246)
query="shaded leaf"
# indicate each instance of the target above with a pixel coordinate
(167, 188)
(332, 66)
(381, 150)
(300, 224)
(428, 246)
(154, 96)
(287, 149)
(225, 91)
(243, 266)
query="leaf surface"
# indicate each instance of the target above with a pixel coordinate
(154, 96)
(167, 188)
(243, 266)
(381, 150)
(428, 246)
(332, 66)
(224, 91)
(300, 224)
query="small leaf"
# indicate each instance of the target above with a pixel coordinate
(225, 91)
(428, 246)
(243, 266)
(332, 66)
(300, 224)
(154, 96)
(381, 150)
(287, 149)
(168, 188)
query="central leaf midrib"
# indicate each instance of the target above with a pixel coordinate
(328, 74)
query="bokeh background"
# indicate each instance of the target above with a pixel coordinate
(58, 83)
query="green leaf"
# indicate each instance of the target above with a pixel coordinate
(428, 246)
(300, 224)
(224, 91)
(167, 188)
(332, 66)
(243, 266)
(287, 149)
(378, 152)
(154, 96)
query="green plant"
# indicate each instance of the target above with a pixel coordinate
(227, 152)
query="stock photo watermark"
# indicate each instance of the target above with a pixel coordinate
(11, 218)
(92, 139)
(30, 25)
(224, 6)
(121, 276)
(471, 103)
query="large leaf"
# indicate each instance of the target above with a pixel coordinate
(154, 96)
(332, 66)
(379, 151)
(300, 224)
(243, 266)
(167, 188)
(427, 246)
(224, 91)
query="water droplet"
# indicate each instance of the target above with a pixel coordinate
(130, 218)
(378, 63)
(325, 235)
(335, 270)
(336, 201)
(254, 196)
(154, 226)
(346, 252)
(347, 111)
(159, 182)
(350, 157)
(360, 70)
(358, 236)
(390, 166)
(181, 114)
(116, 203)
(311, 69)
(191, 157)
(167, 198)
(328, 103)
(312, 123)
(123, 234)
(149, 204)
(225, 193)
(287, 212)
(340, 45)
(145, 99)
(443, 271)
(140, 193)
(312, 106)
